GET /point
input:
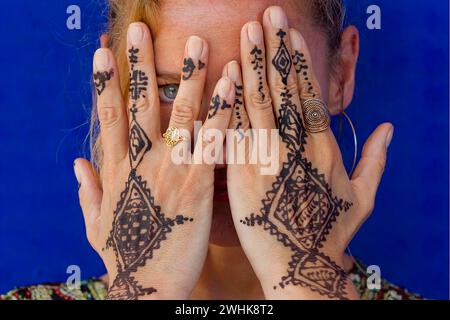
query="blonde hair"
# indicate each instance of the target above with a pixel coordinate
(327, 15)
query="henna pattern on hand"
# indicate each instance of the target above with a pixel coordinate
(100, 79)
(300, 208)
(301, 68)
(239, 109)
(215, 106)
(138, 226)
(189, 68)
(259, 68)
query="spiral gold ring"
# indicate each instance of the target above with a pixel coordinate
(315, 115)
(172, 137)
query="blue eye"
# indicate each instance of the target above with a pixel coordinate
(168, 93)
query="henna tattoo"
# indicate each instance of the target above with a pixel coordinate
(138, 84)
(133, 58)
(282, 60)
(215, 106)
(100, 79)
(138, 226)
(139, 143)
(302, 68)
(239, 109)
(188, 68)
(259, 68)
(300, 208)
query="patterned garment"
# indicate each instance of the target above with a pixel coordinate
(95, 289)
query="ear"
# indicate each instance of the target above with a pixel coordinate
(342, 81)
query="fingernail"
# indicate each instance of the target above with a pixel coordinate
(278, 18)
(224, 89)
(232, 71)
(135, 34)
(255, 33)
(101, 59)
(296, 41)
(389, 137)
(195, 47)
(77, 174)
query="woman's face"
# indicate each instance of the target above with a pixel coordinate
(220, 23)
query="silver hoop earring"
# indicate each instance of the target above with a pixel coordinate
(355, 141)
(355, 155)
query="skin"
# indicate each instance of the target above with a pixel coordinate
(227, 272)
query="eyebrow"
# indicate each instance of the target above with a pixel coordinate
(167, 77)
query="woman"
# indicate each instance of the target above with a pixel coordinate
(208, 230)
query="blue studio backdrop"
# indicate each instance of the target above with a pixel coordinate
(45, 99)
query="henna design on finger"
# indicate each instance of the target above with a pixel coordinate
(300, 209)
(302, 68)
(239, 109)
(138, 78)
(259, 68)
(139, 226)
(282, 60)
(216, 105)
(139, 143)
(188, 69)
(100, 79)
(138, 84)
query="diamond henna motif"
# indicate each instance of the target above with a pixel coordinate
(282, 60)
(139, 144)
(138, 225)
(300, 208)
(316, 270)
(127, 289)
(306, 208)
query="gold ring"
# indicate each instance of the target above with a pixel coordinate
(173, 136)
(315, 115)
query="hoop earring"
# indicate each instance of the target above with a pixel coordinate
(355, 141)
(355, 155)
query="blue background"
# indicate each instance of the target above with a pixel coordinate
(45, 98)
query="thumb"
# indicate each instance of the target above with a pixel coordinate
(369, 171)
(90, 197)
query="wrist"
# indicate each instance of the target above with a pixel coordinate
(305, 291)
(138, 287)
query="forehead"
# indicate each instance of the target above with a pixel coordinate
(219, 22)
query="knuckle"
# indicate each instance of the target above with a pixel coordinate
(260, 103)
(141, 105)
(109, 115)
(378, 164)
(182, 112)
(280, 87)
(310, 89)
(368, 206)
(195, 76)
(91, 239)
(81, 199)
(274, 42)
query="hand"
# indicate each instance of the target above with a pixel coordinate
(149, 218)
(295, 227)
